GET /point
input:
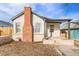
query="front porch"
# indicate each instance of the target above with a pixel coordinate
(53, 33)
(52, 28)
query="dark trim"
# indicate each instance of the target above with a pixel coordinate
(39, 16)
(21, 13)
(54, 22)
(32, 26)
(70, 29)
(44, 18)
(75, 22)
(62, 20)
(5, 23)
(49, 19)
(16, 16)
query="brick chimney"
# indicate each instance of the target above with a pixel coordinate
(27, 27)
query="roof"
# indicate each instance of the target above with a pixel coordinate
(73, 25)
(5, 24)
(57, 20)
(16, 16)
(46, 18)
(52, 20)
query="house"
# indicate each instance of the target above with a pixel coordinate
(5, 28)
(31, 27)
(74, 30)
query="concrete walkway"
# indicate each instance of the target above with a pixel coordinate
(69, 50)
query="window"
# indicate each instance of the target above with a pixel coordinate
(37, 27)
(18, 29)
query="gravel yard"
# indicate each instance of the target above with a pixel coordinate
(27, 49)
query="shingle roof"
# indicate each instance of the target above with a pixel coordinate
(46, 18)
(5, 24)
(73, 25)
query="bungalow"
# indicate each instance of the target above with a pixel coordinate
(30, 27)
(74, 30)
(5, 28)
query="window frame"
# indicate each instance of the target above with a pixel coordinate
(37, 27)
(17, 26)
(51, 28)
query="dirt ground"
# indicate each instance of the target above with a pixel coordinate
(27, 49)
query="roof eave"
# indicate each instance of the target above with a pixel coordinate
(18, 15)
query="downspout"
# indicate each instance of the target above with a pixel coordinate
(45, 30)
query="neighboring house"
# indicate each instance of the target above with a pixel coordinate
(30, 27)
(74, 30)
(5, 28)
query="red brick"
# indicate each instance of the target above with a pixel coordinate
(27, 27)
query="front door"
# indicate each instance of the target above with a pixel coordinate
(51, 30)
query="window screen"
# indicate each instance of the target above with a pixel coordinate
(37, 27)
(18, 29)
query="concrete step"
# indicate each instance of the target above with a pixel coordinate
(59, 42)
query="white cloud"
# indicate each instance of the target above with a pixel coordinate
(19, 4)
(50, 10)
(9, 10)
(12, 8)
(74, 16)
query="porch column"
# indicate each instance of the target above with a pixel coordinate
(68, 29)
(45, 29)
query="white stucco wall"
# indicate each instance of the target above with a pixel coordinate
(56, 32)
(38, 36)
(21, 21)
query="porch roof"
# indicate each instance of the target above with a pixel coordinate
(57, 20)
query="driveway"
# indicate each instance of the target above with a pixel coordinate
(67, 50)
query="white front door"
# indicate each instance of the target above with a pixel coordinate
(51, 29)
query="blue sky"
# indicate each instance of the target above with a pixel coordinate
(54, 10)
